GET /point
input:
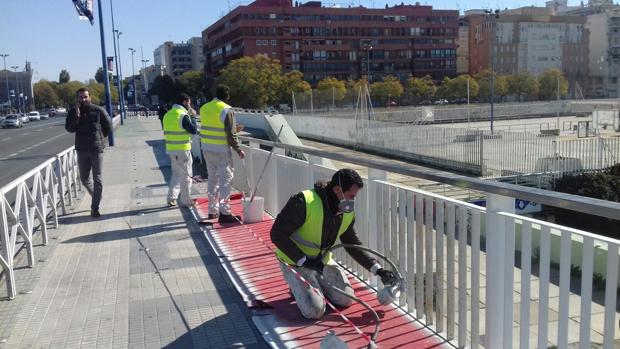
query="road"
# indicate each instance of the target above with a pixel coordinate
(23, 149)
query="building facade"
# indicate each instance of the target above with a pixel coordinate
(346, 43)
(178, 58)
(530, 39)
(462, 50)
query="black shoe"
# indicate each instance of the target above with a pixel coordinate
(212, 216)
(95, 213)
(228, 218)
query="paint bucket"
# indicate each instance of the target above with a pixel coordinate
(253, 211)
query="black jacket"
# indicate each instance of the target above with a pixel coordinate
(293, 216)
(91, 128)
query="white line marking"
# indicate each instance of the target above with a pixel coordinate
(6, 139)
(12, 154)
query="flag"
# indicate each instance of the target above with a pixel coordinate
(84, 9)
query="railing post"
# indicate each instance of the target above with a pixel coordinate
(6, 249)
(61, 184)
(496, 289)
(372, 221)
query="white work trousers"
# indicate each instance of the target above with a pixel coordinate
(220, 172)
(181, 179)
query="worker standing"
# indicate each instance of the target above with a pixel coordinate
(178, 131)
(308, 225)
(217, 134)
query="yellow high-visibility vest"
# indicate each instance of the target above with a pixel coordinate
(308, 236)
(176, 137)
(212, 126)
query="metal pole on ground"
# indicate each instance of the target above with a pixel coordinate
(116, 54)
(106, 80)
(17, 90)
(133, 76)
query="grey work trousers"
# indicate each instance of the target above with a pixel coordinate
(181, 179)
(91, 161)
(311, 305)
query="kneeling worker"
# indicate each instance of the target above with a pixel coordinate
(308, 225)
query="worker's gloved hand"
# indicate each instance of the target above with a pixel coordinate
(314, 264)
(388, 277)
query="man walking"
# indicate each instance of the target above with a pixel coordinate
(178, 131)
(217, 135)
(309, 224)
(91, 125)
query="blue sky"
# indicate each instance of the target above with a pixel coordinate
(49, 34)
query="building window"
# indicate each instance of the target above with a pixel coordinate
(265, 42)
(258, 42)
(273, 42)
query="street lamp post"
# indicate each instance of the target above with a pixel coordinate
(120, 68)
(492, 15)
(133, 76)
(367, 48)
(145, 83)
(19, 105)
(118, 77)
(6, 76)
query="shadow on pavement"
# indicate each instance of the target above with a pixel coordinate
(66, 220)
(122, 234)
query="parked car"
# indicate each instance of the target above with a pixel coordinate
(441, 101)
(24, 118)
(61, 110)
(34, 116)
(51, 112)
(44, 116)
(12, 120)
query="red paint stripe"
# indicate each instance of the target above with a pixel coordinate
(248, 248)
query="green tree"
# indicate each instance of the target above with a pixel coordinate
(99, 76)
(330, 89)
(64, 77)
(97, 93)
(443, 91)
(45, 94)
(387, 90)
(458, 87)
(484, 80)
(67, 92)
(522, 84)
(292, 82)
(548, 82)
(166, 88)
(420, 89)
(254, 82)
(193, 83)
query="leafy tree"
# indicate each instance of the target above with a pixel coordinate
(443, 91)
(386, 90)
(193, 83)
(292, 82)
(420, 89)
(548, 82)
(67, 92)
(484, 80)
(97, 93)
(254, 82)
(166, 88)
(458, 87)
(45, 94)
(99, 76)
(64, 77)
(331, 88)
(522, 84)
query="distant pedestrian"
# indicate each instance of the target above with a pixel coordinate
(178, 130)
(161, 111)
(217, 135)
(91, 125)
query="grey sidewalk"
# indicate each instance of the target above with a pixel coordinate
(141, 276)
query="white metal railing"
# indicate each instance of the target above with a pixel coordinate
(29, 204)
(460, 149)
(467, 266)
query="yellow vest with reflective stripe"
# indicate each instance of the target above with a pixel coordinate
(212, 127)
(176, 137)
(308, 237)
